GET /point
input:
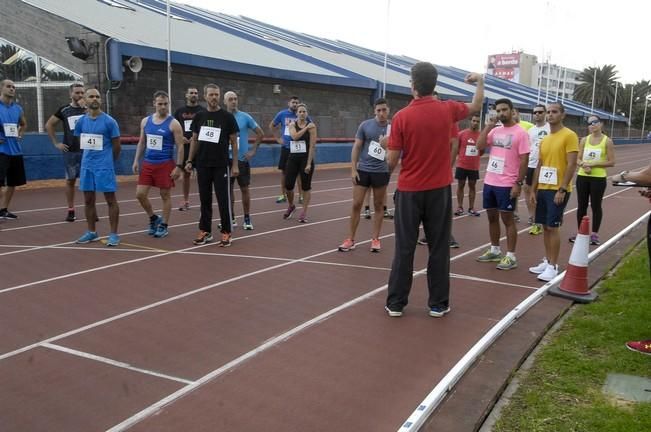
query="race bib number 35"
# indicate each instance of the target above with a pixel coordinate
(154, 142)
(375, 150)
(210, 134)
(495, 165)
(297, 147)
(91, 142)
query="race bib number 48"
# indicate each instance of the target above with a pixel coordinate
(210, 134)
(91, 142)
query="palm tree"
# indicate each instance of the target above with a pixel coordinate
(604, 91)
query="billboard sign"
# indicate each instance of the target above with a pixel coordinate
(505, 66)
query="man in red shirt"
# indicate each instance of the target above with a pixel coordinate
(468, 166)
(420, 139)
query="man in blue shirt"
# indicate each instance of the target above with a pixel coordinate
(12, 128)
(99, 137)
(245, 122)
(281, 122)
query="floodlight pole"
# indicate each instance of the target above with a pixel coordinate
(630, 112)
(594, 87)
(386, 52)
(612, 124)
(169, 56)
(646, 102)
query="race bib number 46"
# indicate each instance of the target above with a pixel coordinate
(210, 134)
(376, 151)
(297, 147)
(91, 142)
(495, 165)
(154, 142)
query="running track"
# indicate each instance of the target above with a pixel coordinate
(279, 332)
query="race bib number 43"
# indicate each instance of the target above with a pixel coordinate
(210, 134)
(91, 142)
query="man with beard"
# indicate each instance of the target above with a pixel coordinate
(12, 128)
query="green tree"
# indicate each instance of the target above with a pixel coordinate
(604, 91)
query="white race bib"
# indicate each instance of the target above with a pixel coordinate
(297, 147)
(210, 134)
(471, 150)
(286, 131)
(495, 165)
(591, 155)
(11, 130)
(375, 150)
(548, 175)
(154, 142)
(186, 125)
(72, 122)
(388, 129)
(91, 142)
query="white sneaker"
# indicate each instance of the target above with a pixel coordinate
(550, 273)
(540, 267)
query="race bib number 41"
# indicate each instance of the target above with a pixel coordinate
(91, 142)
(210, 134)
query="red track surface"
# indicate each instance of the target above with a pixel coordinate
(279, 332)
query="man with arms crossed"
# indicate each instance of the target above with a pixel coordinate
(158, 133)
(99, 138)
(467, 158)
(184, 116)
(68, 116)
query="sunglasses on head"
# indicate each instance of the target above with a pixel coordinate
(593, 122)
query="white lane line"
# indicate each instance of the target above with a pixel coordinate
(86, 248)
(491, 281)
(115, 363)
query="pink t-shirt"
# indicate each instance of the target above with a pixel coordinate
(506, 144)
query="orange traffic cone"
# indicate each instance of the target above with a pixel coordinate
(574, 285)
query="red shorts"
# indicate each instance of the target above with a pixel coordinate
(157, 175)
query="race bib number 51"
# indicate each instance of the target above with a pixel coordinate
(297, 147)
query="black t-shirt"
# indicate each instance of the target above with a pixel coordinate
(185, 115)
(69, 116)
(305, 137)
(218, 126)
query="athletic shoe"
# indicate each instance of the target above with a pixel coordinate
(572, 239)
(393, 312)
(489, 256)
(366, 213)
(536, 229)
(226, 240)
(375, 245)
(161, 231)
(347, 245)
(153, 225)
(247, 225)
(550, 273)
(507, 263)
(113, 240)
(643, 346)
(422, 241)
(302, 218)
(472, 212)
(453, 243)
(233, 224)
(459, 212)
(281, 199)
(6, 214)
(540, 267)
(89, 236)
(202, 238)
(594, 239)
(185, 206)
(530, 220)
(71, 216)
(388, 214)
(289, 212)
(438, 312)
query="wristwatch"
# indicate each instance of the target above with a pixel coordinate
(180, 166)
(519, 182)
(621, 175)
(562, 190)
(189, 162)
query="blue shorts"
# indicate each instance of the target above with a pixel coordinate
(547, 212)
(72, 164)
(98, 180)
(498, 197)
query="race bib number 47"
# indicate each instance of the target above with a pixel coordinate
(548, 175)
(91, 142)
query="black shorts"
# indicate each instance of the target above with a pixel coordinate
(296, 167)
(373, 179)
(186, 153)
(284, 154)
(12, 170)
(466, 174)
(244, 177)
(529, 178)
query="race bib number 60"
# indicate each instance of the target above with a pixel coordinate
(376, 151)
(91, 142)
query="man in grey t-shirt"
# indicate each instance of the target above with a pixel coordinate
(369, 170)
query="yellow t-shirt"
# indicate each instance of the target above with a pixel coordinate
(553, 156)
(525, 125)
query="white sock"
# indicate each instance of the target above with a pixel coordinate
(496, 249)
(511, 255)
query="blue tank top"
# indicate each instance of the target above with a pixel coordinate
(159, 141)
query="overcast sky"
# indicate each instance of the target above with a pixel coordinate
(462, 33)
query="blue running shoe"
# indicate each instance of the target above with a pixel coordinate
(161, 231)
(153, 225)
(438, 312)
(89, 236)
(113, 240)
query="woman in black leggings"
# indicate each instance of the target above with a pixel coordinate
(300, 161)
(596, 152)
